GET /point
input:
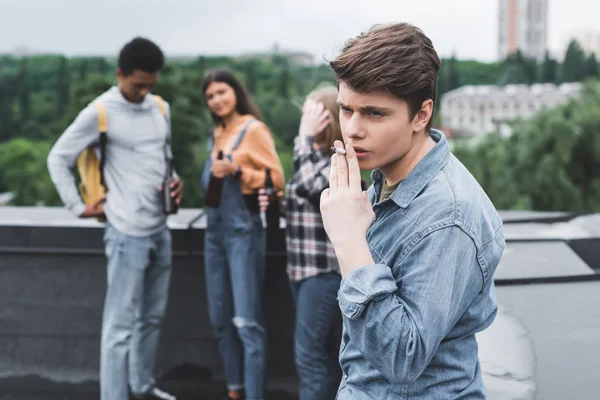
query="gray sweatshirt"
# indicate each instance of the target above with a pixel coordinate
(135, 162)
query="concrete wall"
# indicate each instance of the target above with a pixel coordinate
(52, 285)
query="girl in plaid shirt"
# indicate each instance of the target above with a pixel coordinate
(312, 266)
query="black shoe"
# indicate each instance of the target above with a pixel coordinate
(155, 394)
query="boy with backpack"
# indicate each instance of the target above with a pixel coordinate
(121, 145)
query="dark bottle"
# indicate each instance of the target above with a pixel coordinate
(169, 204)
(215, 187)
(272, 213)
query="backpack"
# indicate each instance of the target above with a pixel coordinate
(90, 164)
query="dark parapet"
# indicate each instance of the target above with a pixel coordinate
(52, 286)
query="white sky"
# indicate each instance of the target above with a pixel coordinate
(193, 27)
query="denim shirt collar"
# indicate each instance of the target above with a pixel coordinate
(422, 174)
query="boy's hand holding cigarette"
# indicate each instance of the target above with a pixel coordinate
(346, 210)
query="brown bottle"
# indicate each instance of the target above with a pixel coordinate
(169, 205)
(272, 213)
(215, 187)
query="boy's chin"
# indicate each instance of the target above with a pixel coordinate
(367, 165)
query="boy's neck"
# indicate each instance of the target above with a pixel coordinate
(399, 169)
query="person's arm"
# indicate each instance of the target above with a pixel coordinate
(261, 148)
(170, 128)
(397, 322)
(312, 170)
(177, 184)
(62, 157)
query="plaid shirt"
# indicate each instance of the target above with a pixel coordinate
(309, 251)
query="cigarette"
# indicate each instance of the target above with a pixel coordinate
(338, 150)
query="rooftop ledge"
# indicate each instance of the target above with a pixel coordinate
(541, 246)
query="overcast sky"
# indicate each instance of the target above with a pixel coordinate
(192, 27)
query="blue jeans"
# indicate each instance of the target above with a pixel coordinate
(317, 336)
(235, 269)
(138, 276)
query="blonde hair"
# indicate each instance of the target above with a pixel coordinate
(328, 96)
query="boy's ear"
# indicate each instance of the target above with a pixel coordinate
(423, 116)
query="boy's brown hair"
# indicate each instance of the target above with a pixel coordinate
(398, 59)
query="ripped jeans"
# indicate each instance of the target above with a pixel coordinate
(235, 269)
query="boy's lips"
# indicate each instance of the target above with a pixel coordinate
(360, 152)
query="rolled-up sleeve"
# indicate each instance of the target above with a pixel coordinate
(363, 285)
(397, 316)
(63, 156)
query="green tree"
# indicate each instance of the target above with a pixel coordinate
(250, 72)
(513, 74)
(489, 159)
(83, 69)
(453, 74)
(23, 170)
(24, 92)
(101, 65)
(63, 86)
(583, 165)
(442, 82)
(199, 64)
(591, 66)
(477, 73)
(282, 116)
(284, 80)
(518, 69)
(573, 67)
(549, 162)
(549, 70)
(5, 110)
(540, 155)
(530, 67)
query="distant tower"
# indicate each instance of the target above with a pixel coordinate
(523, 25)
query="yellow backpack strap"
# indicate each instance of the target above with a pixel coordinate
(163, 110)
(102, 129)
(161, 104)
(102, 120)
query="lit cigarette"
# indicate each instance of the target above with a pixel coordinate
(338, 150)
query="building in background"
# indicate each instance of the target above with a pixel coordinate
(477, 110)
(523, 25)
(298, 58)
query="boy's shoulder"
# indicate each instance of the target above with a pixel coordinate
(454, 198)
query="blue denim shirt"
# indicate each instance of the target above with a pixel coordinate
(410, 319)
